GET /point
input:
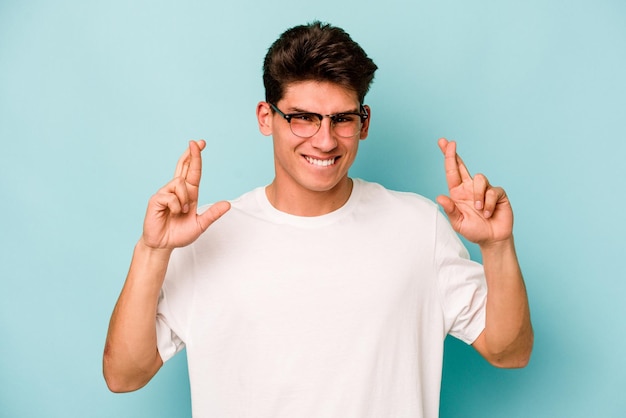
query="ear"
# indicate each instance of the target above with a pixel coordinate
(366, 124)
(264, 118)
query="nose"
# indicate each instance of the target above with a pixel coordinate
(324, 140)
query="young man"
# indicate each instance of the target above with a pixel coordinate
(318, 295)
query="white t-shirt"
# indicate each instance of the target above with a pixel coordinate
(342, 315)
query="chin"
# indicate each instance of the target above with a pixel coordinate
(323, 186)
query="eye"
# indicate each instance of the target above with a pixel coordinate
(304, 117)
(344, 118)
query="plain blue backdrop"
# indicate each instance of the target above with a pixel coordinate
(98, 99)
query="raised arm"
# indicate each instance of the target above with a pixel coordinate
(130, 356)
(483, 215)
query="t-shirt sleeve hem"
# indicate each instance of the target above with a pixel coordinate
(168, 343)
(471, 333)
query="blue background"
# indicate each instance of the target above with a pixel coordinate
(98, 99)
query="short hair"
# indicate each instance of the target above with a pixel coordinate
(317, 52)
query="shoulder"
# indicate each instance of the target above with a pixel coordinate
(377, 195)
(247, 203)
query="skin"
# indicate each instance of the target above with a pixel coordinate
(299, 187)
(478, 211)
(482, 214)
(130, 356)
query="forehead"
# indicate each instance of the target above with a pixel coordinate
(321, 96)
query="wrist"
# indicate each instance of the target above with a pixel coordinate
(148, 267)
(142, 248)
(498, 247)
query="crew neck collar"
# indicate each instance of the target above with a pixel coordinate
(308, 221)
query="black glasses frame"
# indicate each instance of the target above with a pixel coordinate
(333, 118)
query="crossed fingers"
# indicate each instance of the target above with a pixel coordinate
(178, 195)
(462, 186)
(189, 165)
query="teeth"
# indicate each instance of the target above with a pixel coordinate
(321, 163)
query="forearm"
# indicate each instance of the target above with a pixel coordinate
(130, 356)
(508, 335)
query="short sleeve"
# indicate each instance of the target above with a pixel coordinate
(168, 342)
(462, 285)
(174, 302)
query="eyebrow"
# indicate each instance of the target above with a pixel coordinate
(298, 110)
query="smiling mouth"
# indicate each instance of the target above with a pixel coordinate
(320, 163)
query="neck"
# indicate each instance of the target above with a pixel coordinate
(303, 202)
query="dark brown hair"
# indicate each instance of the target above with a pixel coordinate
(318, 52)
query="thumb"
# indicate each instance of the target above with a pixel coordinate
(212, 214)
(448, 205)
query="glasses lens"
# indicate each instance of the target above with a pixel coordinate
(347, 125)
(305, 124)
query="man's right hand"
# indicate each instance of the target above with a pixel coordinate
(171, 218)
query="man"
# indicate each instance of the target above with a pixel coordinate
(318, 295)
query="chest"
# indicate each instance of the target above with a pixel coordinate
(277, 279)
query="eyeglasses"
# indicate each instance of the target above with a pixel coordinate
(307, 124)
